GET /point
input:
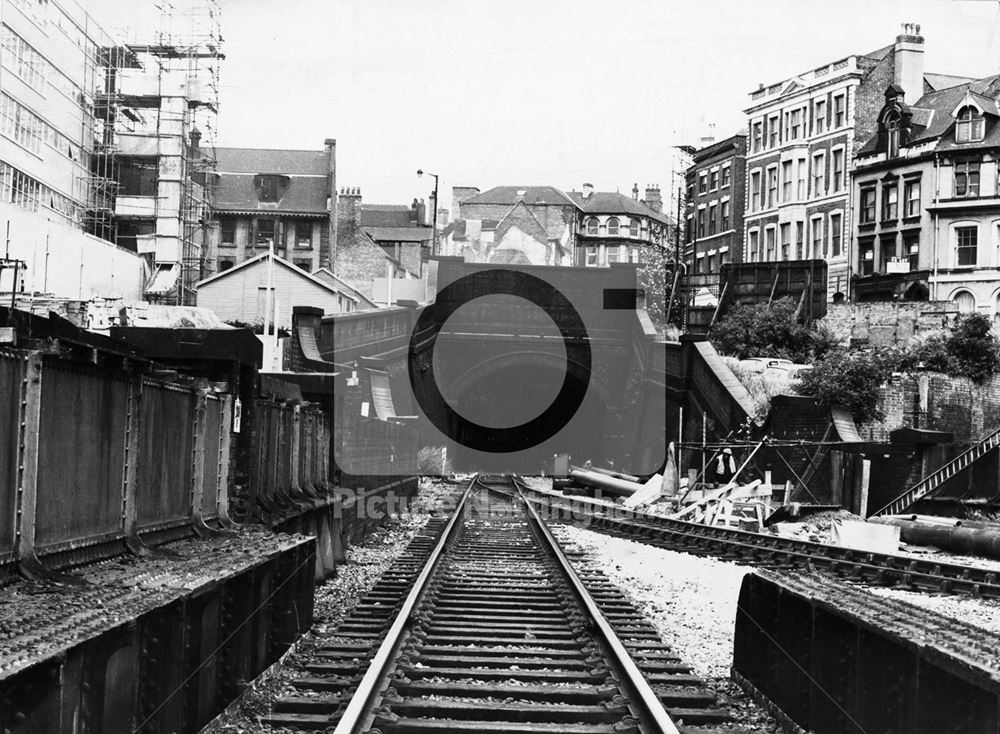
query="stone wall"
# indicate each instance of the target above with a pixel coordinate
(887, 323)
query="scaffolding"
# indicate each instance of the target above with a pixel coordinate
(154, 100)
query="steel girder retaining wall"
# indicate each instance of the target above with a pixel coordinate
(290, 487)
(836, 659)
(164, 653)
(92, 457)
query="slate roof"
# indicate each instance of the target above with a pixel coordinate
(307, 191)
(533, 196)
(937, 82)
(932, 115)
(400, 234)
(600, 202)
(267, 160)
(386, 215)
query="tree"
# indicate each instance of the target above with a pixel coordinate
(974, 347)
(764, 330)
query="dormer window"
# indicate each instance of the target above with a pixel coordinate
(969, 127)
(592, 225)
(613, 227)
(892, 130)
(270, 187)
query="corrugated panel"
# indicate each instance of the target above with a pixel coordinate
(81, 454)
(163, 491)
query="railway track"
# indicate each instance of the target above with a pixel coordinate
(483, 625)
(766, 550)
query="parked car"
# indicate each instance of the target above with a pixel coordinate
(785, 372)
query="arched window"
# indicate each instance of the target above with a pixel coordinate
(592, 225)
(225, 265)
(892, 129)
(633, 227)
(969, 127)
(965, 301)
(613, 227)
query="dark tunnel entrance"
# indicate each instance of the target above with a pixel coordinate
(516, 393)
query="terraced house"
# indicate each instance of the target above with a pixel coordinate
(715, 198)
(928, 215)
(802, 135)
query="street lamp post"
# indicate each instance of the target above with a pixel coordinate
(434, 244)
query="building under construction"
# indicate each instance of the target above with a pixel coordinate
(125, 136)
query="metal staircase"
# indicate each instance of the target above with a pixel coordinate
(939, 476)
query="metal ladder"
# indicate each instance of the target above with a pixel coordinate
(940, 475)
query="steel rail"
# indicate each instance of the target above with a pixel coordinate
(948, 577)
(357, 709)
(637, 688)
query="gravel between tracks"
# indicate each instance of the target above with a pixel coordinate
(334, 600)
(690, 600)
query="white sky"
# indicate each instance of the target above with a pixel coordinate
(539, 91)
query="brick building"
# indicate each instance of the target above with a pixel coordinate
(265, 197)
(614, 228)
(715, 200)
(802, 135)
(363, 261)
(401, 231)
(928, 202)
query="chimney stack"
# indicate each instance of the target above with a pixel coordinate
(653, 198)
(458, 196)
(348, 216)
(908, 63)
(635, 192)
(195, 143)
(588, 189)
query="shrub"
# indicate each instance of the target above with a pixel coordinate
(763, 331)
(852, 379)
(974, 347)
(970, 349)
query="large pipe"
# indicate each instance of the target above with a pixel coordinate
(607, 472)
(951, 534)
(612, 485)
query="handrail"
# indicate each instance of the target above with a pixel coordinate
(357, 708)
(892, 508)
(631, 677)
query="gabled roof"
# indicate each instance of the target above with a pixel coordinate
(600, 202)
(532, 195)
(520, 216)
(281, 262)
